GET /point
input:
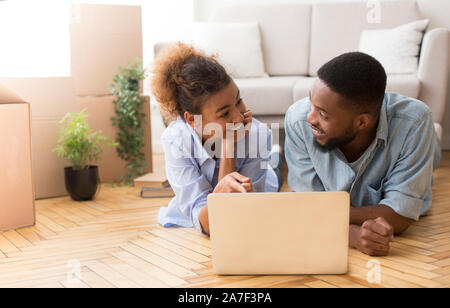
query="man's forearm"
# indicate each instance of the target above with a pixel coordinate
(358, 215)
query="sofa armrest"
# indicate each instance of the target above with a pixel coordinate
(160, 46)
(438, 129)
(433, 71)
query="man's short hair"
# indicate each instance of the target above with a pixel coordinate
(358, 77)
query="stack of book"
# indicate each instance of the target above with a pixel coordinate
(154, 185)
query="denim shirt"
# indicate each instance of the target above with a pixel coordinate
(192, 172)
(396, 170)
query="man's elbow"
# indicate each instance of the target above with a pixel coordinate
(401, 224)
(398, 222)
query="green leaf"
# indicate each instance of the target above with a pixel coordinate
(77, 142)
(129, 119)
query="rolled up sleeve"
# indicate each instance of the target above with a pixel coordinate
(191, 189)
(407, 189)
(301, 175)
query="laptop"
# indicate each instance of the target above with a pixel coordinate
(279, 233)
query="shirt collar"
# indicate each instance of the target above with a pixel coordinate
(199, 151)
(382, 130)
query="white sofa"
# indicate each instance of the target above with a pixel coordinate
(298, 38)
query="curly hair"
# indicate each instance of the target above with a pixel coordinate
(184, 78)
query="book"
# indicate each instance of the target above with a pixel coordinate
(152, 180)
(155, 184)
(150, 192)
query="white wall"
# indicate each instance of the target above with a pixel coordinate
(204, 8)
(34, 39)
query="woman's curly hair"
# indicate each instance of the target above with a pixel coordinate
(184, 78)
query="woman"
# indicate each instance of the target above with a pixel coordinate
(210, 147)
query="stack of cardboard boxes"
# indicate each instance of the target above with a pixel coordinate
(103, 38)
(16, 184)
(50, 99)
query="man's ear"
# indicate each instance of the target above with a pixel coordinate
(189, 118)
(363, 120)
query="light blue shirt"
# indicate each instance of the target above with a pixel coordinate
(396, 170)
(193, 173)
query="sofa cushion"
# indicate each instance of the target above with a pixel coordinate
(397, 49)
(267, 96)
(438, 129)
(336, 27)
(285, 33)
(302, 87)
(407, 84)
(222, 39)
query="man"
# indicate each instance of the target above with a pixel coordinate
(350, 135)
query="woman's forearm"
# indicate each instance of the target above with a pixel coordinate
(227, 161)
(204, 219)
(226, 167)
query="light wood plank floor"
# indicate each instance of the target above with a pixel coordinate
(115, 241)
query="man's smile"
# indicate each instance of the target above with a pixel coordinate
(317, 133)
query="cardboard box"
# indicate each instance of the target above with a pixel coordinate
(50, 99)
(102, 38)
(16, 177)
(100, 110)
(48, 168)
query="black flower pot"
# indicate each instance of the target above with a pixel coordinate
(82, 185)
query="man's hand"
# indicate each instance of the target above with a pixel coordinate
(373, 237)
(234, 182)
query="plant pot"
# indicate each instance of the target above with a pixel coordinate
(82, 185)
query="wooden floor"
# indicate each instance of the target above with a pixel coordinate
(115, 241)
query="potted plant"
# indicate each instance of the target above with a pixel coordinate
(129, 119)
(81, 146)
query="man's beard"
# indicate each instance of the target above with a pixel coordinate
(333, 143)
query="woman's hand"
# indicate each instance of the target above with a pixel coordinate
(234, 182)
(231, 183)
(247, 116)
